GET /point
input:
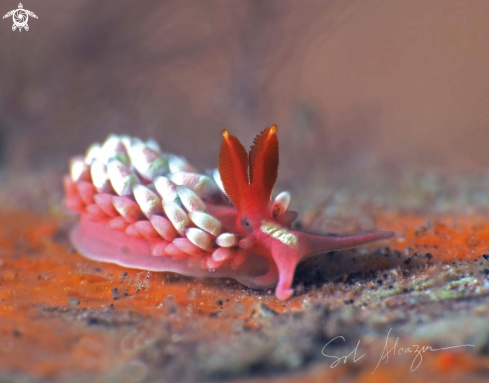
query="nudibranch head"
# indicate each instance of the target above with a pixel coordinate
(146, 209)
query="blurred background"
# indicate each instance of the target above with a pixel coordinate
(354, 86)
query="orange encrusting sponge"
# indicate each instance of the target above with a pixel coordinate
(446, 238)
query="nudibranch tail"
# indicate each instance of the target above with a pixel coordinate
(315, 244)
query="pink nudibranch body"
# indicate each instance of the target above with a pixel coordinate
(146, 209)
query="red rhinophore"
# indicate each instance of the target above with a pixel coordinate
(145, 209)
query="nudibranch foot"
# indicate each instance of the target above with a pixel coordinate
(96, 241)
(146, 209)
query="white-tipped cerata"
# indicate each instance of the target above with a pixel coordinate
(281, 204)
(121, 178)
(148, 201)
(177, 216)
(79, 170)
(92, 153)
(227, 240)
(148, 162)
(206, 222)
(100, 178)
(190, 200)
(202, 185)
(166, 189)
(113, 148)
(200, 238)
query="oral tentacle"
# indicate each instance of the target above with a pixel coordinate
(286, 262)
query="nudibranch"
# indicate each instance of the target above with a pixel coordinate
(146, 209)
